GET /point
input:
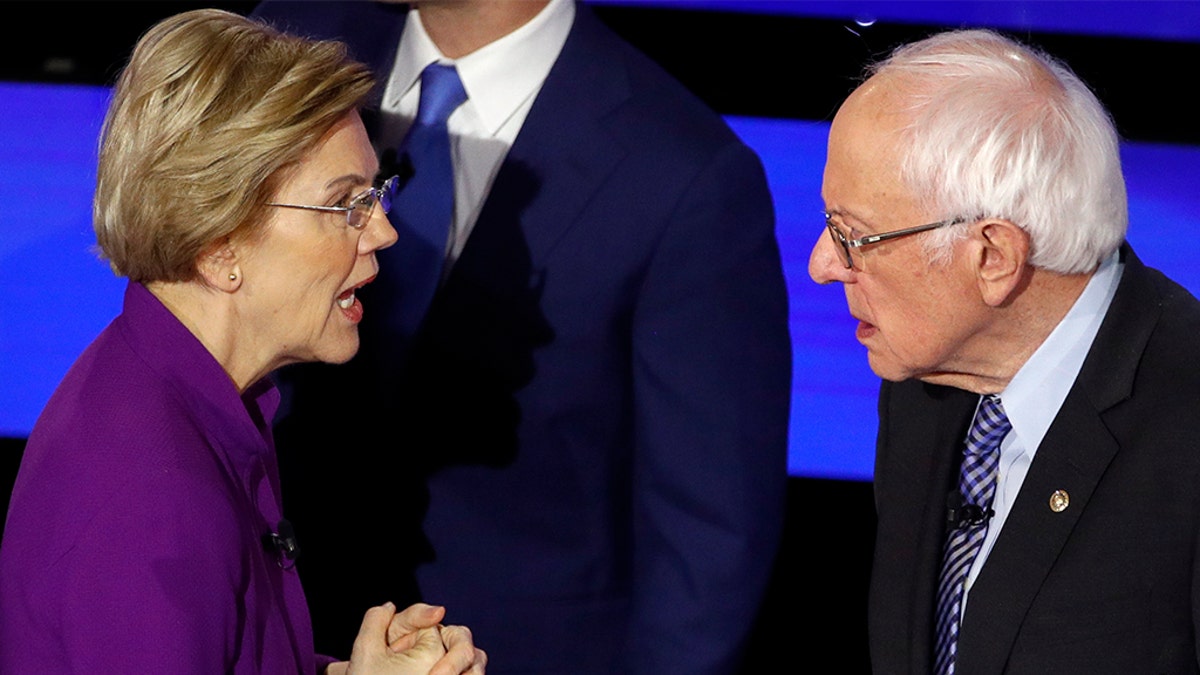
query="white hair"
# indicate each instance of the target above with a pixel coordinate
(999, 130)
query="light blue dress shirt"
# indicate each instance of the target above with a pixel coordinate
(1034, 395)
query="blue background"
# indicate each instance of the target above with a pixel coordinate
(1155, 19)
(56, 294)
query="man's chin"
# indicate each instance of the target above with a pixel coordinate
(887, 369)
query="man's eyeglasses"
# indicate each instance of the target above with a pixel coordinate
(847, 245)
(358, 211)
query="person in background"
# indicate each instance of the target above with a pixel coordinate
(1037, 477)
(235, 191)
(591, 406)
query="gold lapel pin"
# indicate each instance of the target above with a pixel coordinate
(1059, 501)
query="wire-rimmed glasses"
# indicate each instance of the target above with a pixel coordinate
(358, 210)
(846, 245)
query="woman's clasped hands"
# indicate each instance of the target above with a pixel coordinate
(411, 642)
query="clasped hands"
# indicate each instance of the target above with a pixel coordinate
(411, 642)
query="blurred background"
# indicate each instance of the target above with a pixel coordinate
(777, 69)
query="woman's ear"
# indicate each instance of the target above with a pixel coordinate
(218, 266)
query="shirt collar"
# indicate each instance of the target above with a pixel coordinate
(494, 87)
(238, 424)
(1034, 396)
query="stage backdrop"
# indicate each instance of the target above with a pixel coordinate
(56, 295)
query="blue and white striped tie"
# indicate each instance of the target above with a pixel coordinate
(977, 484)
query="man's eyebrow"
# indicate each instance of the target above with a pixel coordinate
(842, 215)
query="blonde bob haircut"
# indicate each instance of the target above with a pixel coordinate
(209, 117)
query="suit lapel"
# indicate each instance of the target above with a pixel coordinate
(955, 420)
(561, 156)
(928, 424)
(1073, 457)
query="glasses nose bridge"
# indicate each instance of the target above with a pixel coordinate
(827, 261)
(386, 193)
(841, 245)
(362, 208)
(384, 196)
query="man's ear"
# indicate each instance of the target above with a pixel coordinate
(218, 266)
(1001, 260)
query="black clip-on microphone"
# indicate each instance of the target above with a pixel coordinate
(959, 513)
(284, 543)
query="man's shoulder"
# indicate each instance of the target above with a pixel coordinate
(366, 26)
(1144, 366)
(1152, 315)
(657, 104)
(1171, 313)
(1180, 308)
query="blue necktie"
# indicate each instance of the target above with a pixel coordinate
(977, 484)
(423, 210)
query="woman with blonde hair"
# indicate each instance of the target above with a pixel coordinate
(236, 191)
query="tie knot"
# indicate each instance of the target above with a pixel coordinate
(441, 93)
(989, 428)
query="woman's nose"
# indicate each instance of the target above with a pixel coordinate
(378, 234)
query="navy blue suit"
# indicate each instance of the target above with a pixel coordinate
(597, 400)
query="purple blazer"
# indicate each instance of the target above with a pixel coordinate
(134, 540)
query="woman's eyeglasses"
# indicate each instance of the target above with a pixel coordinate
(358, 211)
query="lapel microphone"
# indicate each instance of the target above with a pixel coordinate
(959, 513)
(284, 544)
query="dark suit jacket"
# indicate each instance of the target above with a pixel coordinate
(1108, 585)
(599, 393)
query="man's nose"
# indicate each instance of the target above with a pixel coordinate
(825, 263)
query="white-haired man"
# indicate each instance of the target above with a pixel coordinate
(1037, 476)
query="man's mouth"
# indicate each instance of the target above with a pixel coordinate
(864, 330)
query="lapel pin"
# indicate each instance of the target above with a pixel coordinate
(1059, 501)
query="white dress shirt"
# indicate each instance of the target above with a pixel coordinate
(501, 79)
